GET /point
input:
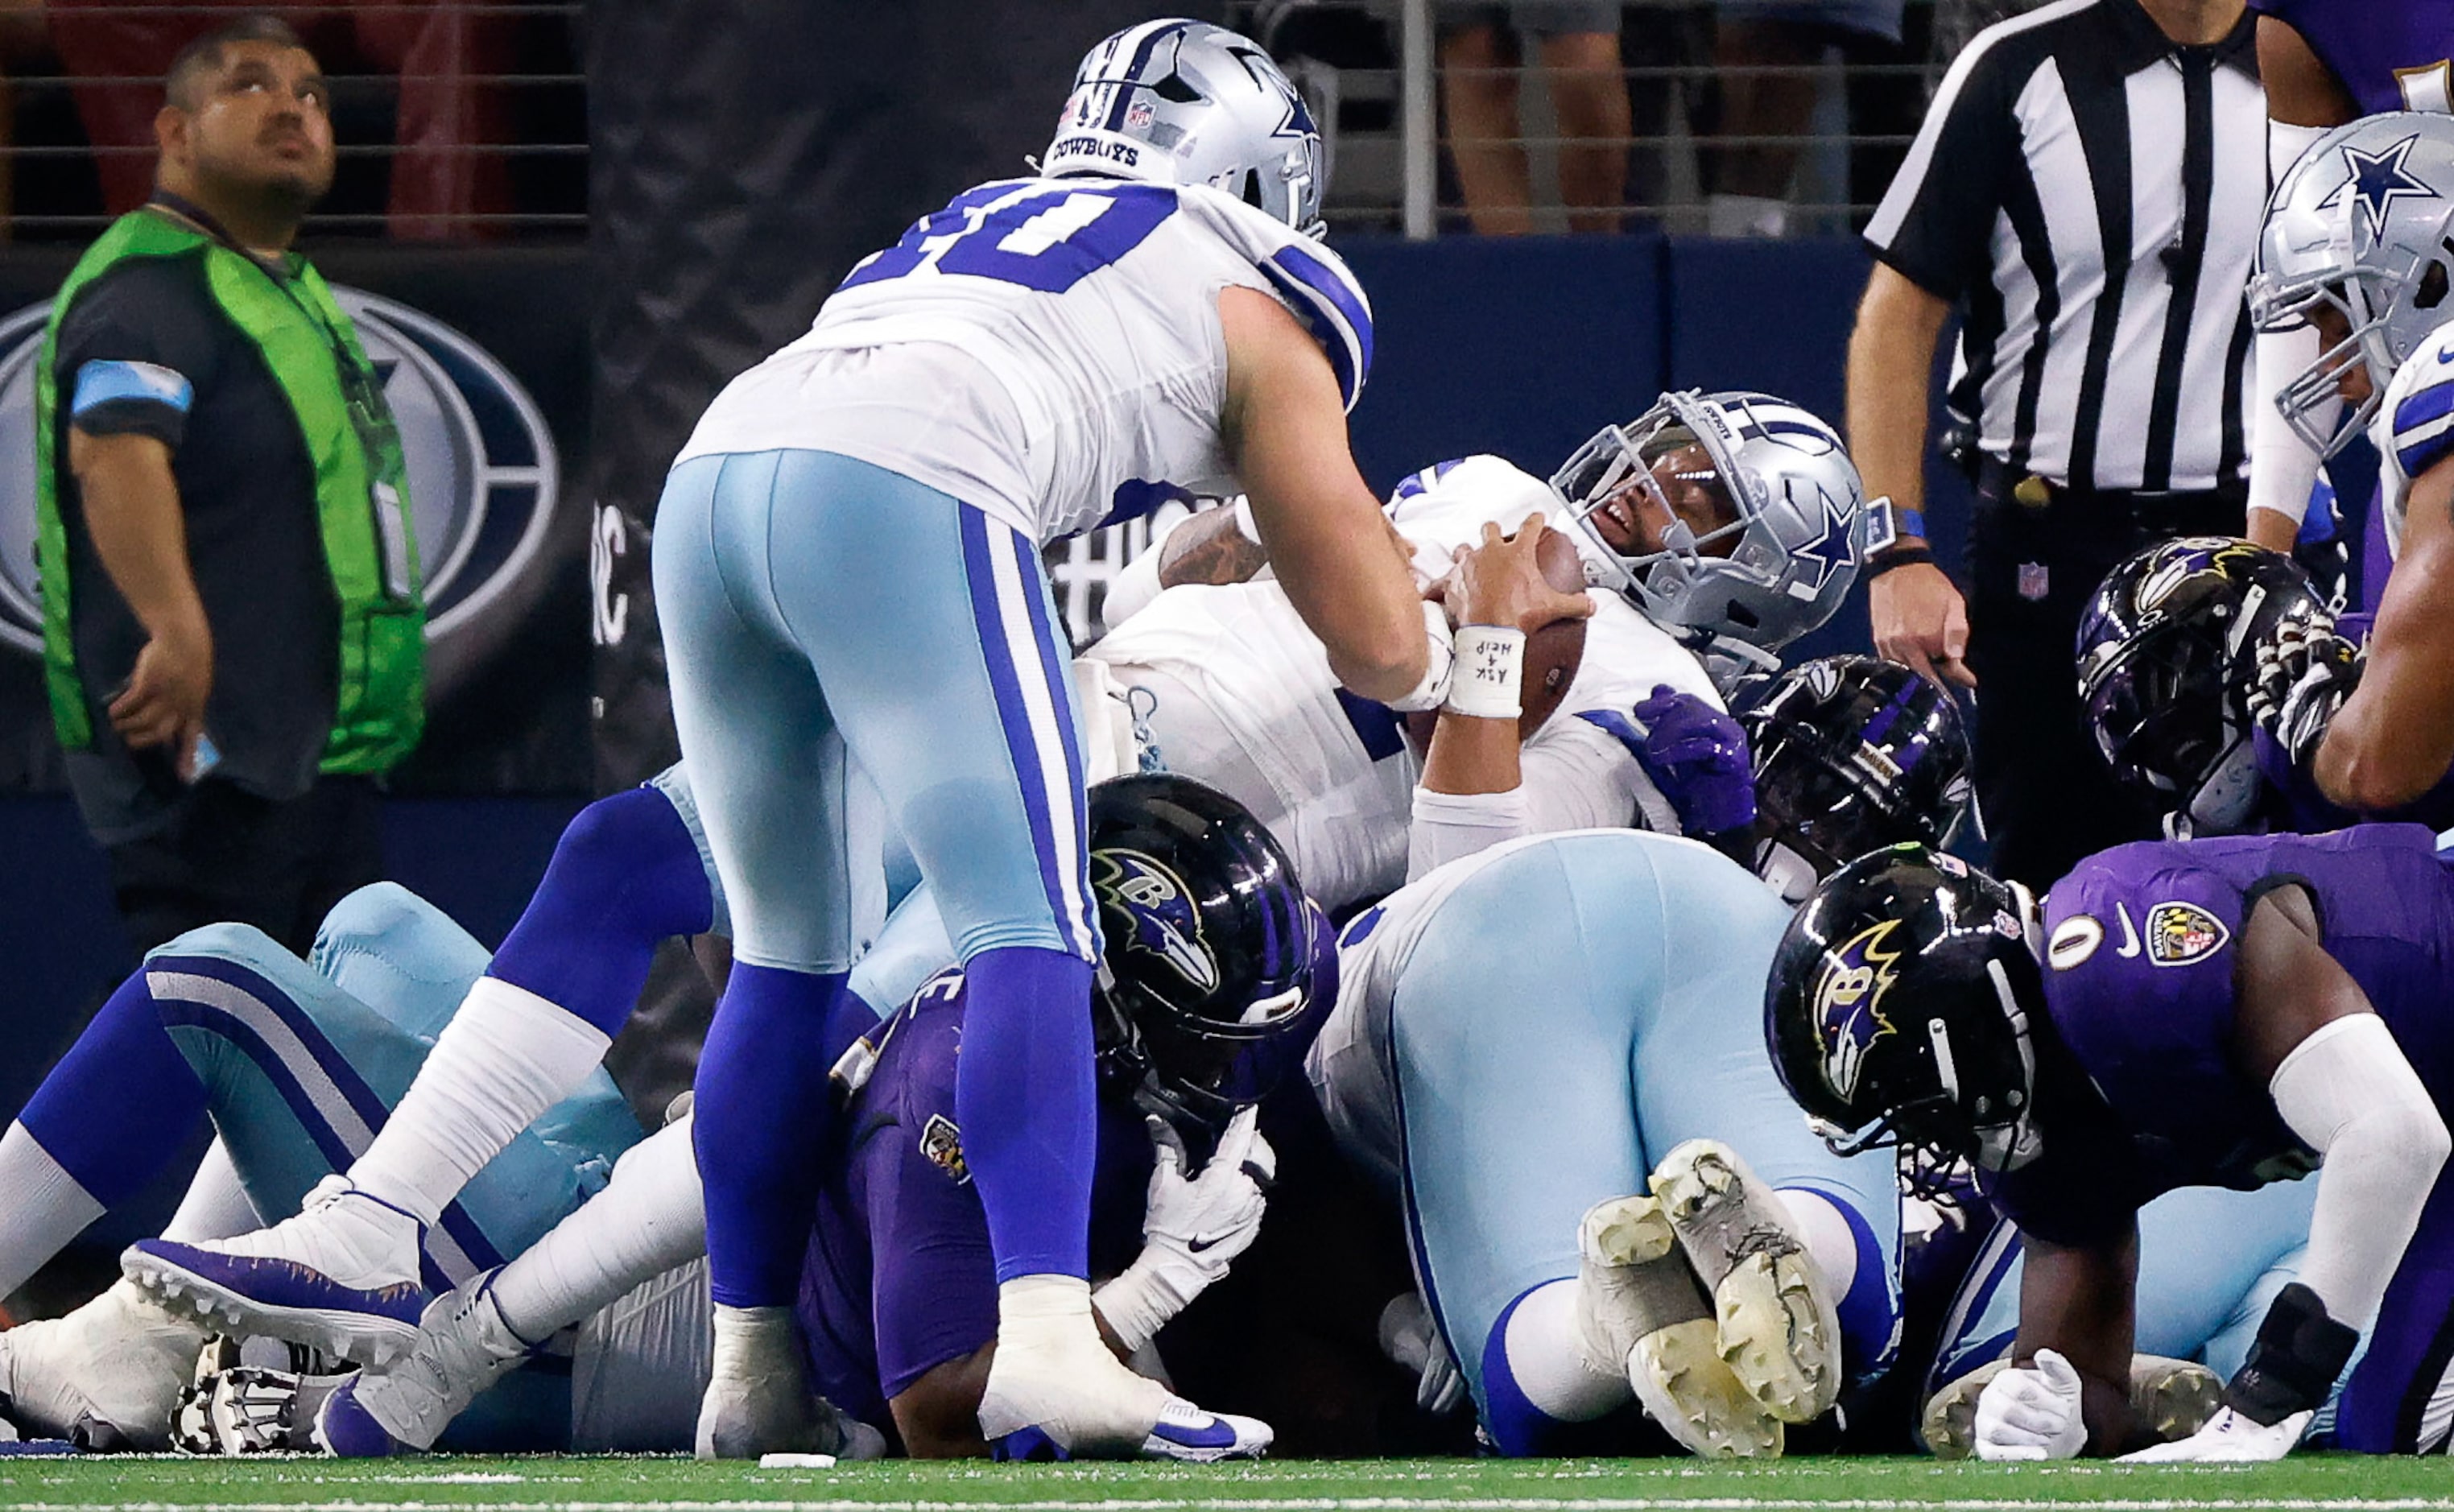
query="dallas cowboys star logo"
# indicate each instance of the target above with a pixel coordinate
(2377, 181)
(1830, 550)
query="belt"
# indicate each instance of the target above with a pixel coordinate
(2034, 492)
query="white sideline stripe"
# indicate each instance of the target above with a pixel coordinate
(1320, 1504)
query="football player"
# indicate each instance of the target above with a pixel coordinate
(1215, 974)
(2224, 1011)
(2325, 66)
(295, 1062)
(1725, 522)
(1577, 1243)
(2355, 246)
(1150, 317)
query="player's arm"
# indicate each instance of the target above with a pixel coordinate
(2304, 1028)
(2078, 1300)
(1342, 567)
(1217, 546)
(2304, 99)
(2393, 739)
(1920, 619)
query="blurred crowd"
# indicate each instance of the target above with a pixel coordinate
(467, 117)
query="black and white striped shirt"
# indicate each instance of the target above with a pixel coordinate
(2092, 193)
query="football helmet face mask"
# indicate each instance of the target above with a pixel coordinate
(1851, 754)
(1185, 102)
(1781, 498)
(2167, 649)
(1207, 992)
(2359, 226)
(1898, 1007)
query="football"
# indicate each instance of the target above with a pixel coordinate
(1552, 653)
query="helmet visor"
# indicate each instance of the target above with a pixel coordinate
(2160, 714)
(1651, 489)
(1817, 807)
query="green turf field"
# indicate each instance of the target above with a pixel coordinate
(2314, 1484)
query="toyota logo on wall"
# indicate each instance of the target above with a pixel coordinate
(483, 475)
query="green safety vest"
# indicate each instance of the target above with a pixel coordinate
(361, 488)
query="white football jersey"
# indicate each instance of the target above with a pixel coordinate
(1342, 773)
(2414, 426)
(1048, 351)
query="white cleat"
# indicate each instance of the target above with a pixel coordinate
(106, 1377)
(758, 1399)
(2175, 1396)
(1775, 1324)
(342, 1276)
(1642, 1310)
(463, 1348)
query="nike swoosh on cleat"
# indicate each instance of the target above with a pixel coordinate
(1216, 1434)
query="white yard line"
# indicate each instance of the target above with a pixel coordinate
(1321, 1504)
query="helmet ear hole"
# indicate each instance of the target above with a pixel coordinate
(2432, 287)
(1740, 616)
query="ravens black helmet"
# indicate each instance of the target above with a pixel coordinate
(1207, 986)
(1898, 1007)
(1851, 754)
(2167, 650)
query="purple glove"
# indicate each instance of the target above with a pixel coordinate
(1698, 756)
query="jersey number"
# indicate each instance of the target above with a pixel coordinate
(1047, 240)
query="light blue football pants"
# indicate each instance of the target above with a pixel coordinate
(818, 609)
(1575, 1011)
(303, 1061)
(2210, 1260)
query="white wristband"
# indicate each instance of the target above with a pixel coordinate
(1244, 524)
(1490, 662)
(1440, 655)
(1137, 1303)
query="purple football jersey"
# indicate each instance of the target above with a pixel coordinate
(2139, 987)
(900, 1278)
(2391, 54)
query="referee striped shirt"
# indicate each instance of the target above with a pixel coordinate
(2091, 192)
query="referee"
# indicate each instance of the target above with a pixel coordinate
(2087, 193)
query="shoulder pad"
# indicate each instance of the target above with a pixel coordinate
(2419, 406)
(1312, 281)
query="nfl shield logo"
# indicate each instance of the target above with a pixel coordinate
(1137, 115)
(2033, 581)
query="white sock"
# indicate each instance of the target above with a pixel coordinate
(215, 1206)
(47, 1207)
(1547, 1357)
(648, 1220)
(506, 1056)
(1831, 1243)
(756, 1343)
(1752, 216)
(1035, 1310)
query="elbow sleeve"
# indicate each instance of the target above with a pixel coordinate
(1450, 825)
(2348, 1092)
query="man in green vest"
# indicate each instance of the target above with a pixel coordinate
(233, 623)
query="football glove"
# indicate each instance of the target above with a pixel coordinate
(1696, 755)
(2032, 1412)
(2229, 1438)
(1193, 1228)
(2305, 672)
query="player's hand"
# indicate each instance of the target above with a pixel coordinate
(1500, 582)
(1192, 1228)
(2229, 1439)
(2306, 672)
(2032, 1412)
(1921, 623)
(164, 701)
(1696, 755)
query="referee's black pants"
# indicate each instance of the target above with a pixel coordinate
(2048, 799)
(228, 856)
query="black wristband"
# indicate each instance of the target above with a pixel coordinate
(2294, 1361)
(1898, 557)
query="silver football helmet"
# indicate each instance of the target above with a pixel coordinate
(2358, 225)
(1781, 501)
(1185, 102)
